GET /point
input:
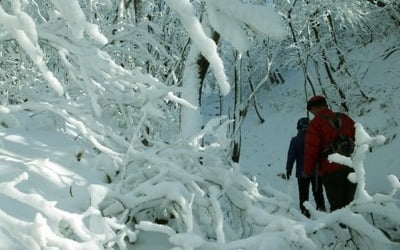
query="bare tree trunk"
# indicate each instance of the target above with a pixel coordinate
(136, 6)
(262, 120)
(303, 64)
(319, 78)
(342, 60)
(332, 79)
(237, 114)
(256, 107)
(330, 71)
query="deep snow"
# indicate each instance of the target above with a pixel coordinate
(57, 172)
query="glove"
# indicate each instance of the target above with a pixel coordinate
(288, 174)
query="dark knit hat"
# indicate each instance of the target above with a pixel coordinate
(302, 123)
(316, 101)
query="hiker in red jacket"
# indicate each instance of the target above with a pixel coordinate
(319, 136)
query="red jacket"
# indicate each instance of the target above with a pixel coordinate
(319, 135)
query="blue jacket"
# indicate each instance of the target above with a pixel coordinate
(296, 153)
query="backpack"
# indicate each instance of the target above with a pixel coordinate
(342, 144)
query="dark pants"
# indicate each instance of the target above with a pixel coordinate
(339, 190)
(304, 187)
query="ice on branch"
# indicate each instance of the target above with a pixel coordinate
(394, 183)
(59, 229)
(183, 102)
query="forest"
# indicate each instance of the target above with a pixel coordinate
(135, 81)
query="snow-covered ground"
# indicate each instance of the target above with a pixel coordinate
(265, 145)
(61, 168)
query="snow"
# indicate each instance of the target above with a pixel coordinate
(75, 17)
(53, 184)
(205, 44)
(282, 113)
(40, 166)
(191, 118)
(23, 28)
(230, 29)
(263, 19)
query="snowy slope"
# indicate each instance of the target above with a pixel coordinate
(265, 145)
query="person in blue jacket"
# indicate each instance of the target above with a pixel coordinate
(296, 154)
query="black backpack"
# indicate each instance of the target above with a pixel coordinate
(342, 144)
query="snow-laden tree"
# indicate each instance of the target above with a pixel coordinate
(119, 108)
(322, 33)
(105, 73)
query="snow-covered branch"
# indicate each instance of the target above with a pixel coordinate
(51, 225)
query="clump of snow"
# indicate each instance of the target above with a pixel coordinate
(394, 181)
(97, 194)
(263, 19)
(229, 28)
(338, 158)
(95, 34)
(205, 44)
(181, 101)
(73, 14)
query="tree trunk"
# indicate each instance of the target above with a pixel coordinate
(237, 114)
(204, 64)
(191, 120)
(342, 59)
(193, 77)
(299, 53)
(330, 71)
